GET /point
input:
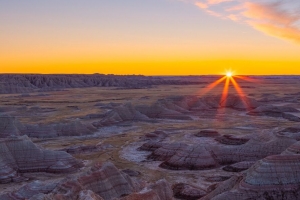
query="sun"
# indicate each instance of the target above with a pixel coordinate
(229, 74)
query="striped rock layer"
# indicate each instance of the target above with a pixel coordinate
(178, 108)
(21, 155)
(101, 182)
(179, 156)
(275, 177)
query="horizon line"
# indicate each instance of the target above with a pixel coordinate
(147, 74)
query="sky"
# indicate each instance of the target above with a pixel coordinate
(150, 37)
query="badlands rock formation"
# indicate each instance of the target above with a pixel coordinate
(10, 126)
(275, 177)
(276, 111)
(160, 190)
(75, 128)
(18, 83)
(101, 182)
(232, 139)
(156, 135)
(120, 114)
(238, 167)
(20, 155)
(185, 191)
(207, 133)
(178, 108)
(179, 156)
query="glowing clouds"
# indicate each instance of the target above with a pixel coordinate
(276, 18)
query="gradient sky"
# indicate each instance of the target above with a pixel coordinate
(152, 37)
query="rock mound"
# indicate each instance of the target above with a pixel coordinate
(161, 111)
(177, 108)
(75, 128)
(239, 167)
(231, 140)
(101, 182)
(121, 114)
(293, 149)
(166, 151)
(185, 191)
(160, 190)
(179, 156)
(9, 126)
(156, 135)
(186, 157)
(275, 111)
(274, 177)
(151, 146)
(29, 190)
(81, 148)
(207, 133)
(20, 155)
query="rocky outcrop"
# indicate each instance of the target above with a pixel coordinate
(102, 182)
(166, 151)
(179, 156)
(275, 177)
(160, 190)
(75, 128)
(238, 167)
(121, 114)
(25, 83)
(161, 111)
(151, 146)
(103, 179)
(294, 149)
(207, 133)
(29, 190)
(9, 126)
(221, 188)
(186, 157)
(156, 135)
(231, 140)
(276, 111)
(185, 191)
(20, 155)
(88, 195)
(177, 108)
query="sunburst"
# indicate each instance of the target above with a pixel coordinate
(229, 79)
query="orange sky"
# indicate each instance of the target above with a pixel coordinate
(179, 38)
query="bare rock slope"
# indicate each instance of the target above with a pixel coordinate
(21, 155)
(178, 156)
(275, 177)
(102, 182)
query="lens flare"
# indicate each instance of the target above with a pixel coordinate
(229, 74)
(229, 79)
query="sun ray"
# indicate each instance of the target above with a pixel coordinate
(247, 79)
(225, 92)
(212, 85)
(240, 92)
